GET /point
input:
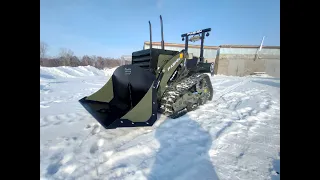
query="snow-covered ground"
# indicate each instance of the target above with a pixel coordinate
(235, 136)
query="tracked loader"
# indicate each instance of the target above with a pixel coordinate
(157, 81)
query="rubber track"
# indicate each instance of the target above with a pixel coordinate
(173, 93)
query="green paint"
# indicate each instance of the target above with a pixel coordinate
(162, 60)
(143, 110)
(105, 94)
(168, 70)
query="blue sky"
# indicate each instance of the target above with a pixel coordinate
(112, 28)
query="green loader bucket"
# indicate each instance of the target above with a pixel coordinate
(128, 99)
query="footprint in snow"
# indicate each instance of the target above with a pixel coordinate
(44, 106)
(88, 126)
(57, 123)
(70, 121)
(95, 129)
(96, 145)
(53, 168)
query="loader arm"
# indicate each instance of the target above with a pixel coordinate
(168, 71)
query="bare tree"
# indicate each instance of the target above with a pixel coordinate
(94, 57)
(43, 49)
(74, 61)
(66, 55)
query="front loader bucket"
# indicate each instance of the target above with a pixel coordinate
(128, 99)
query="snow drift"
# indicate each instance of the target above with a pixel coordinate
(235, 136)
(69, 72)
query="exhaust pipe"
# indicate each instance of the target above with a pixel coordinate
(162, 42)
(150, 35)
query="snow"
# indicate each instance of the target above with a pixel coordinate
(235, 136)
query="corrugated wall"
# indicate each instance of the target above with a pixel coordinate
(245, 60)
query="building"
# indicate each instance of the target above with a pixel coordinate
(209, 52)
(243, 60)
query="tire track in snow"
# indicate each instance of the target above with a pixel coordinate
(220, 94)
(118, 145)
(69, 118)
(100, 152)
(236, 142)
(47, 102)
